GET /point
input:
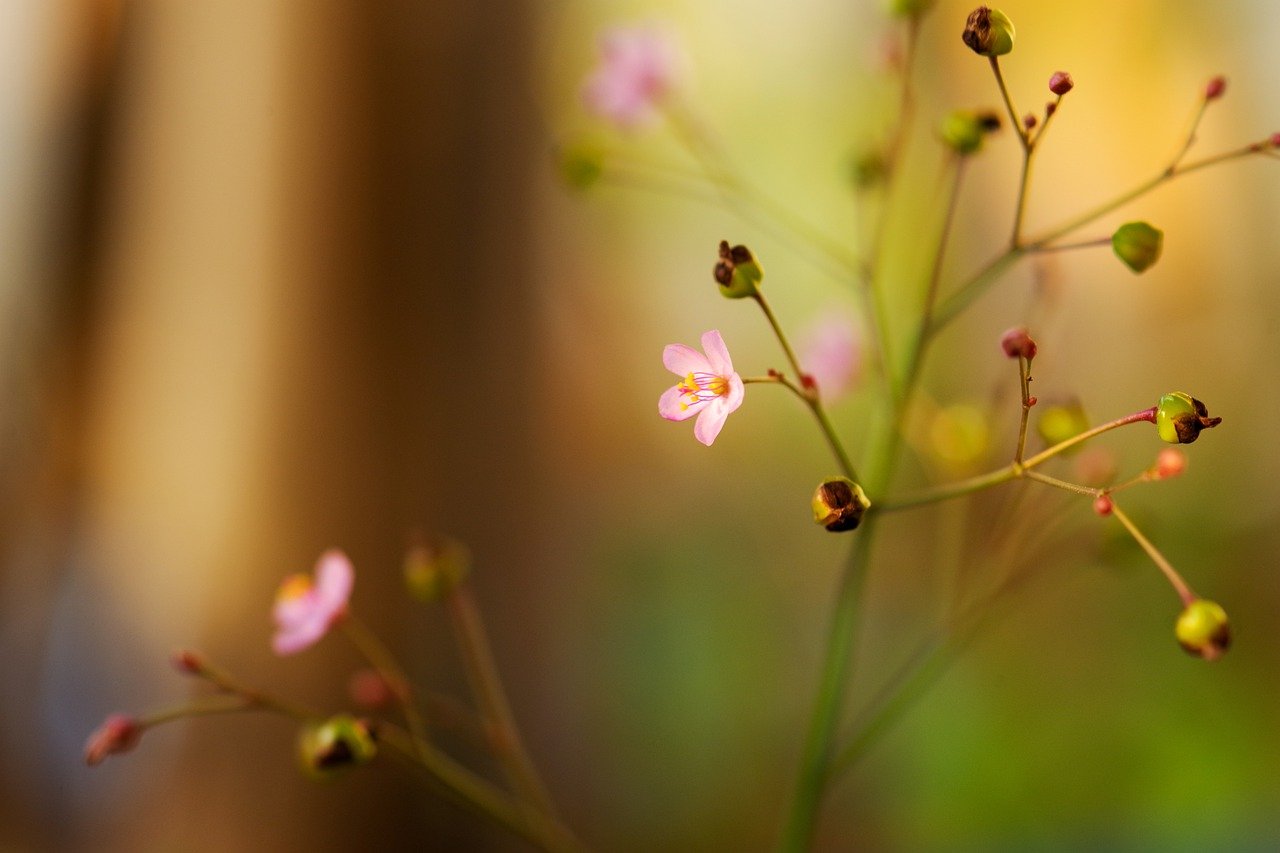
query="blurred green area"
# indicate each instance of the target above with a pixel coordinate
(333, 292)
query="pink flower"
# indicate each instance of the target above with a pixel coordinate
(304, 612)
(831, 354)
(708, 386)
(637, 69)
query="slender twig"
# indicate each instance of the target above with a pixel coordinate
(1175, 579)
(392, 674)
(1023, 136)
(1024, 377)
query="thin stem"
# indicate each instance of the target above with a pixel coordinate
(1179, 585)
(469, 790)
(815, 765)
(1148, 415)
(482, 672)
(1063, 247)
(206, 707)
(1034, 139)
(1024, 179)
(1008, 103)
(808, 394)
(254, 697)
(931, 289)
(1062, 484)
(382, 660)
(1191, 134)
(1024, 377)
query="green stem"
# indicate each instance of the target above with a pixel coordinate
(1024, 376)
(207, 707)
(1063, 247)
(384, 662)
(1008, 103)
(815, 766)
(500, 725)
(809, 395)
(1062, 484)
(1175, 579)
(1148, 415)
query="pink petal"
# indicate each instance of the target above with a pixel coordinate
(671, 408)
(737, 392)
(335, 576)
(711, 421)
(682, 360)
(717, 353)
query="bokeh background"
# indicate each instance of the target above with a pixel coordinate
(281, 276)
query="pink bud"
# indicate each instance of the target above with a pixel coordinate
(118, 733)
(1061, 83)
(1214, 88)
(370, 690)
(1170, 463)
(187, 662)
(1029, 121)
(1274, 140)
(1016, 342)
(1102, 505)
(1050, 108)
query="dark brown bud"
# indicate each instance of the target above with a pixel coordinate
(988, 32)
(1061, 83)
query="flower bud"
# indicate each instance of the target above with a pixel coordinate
(1102, 505)
(1203, 629)
(963, 130)
(869, 169)
(737, 272)
(581, 164)
(1062, 421)
(959, 435)
(118, 733)
(1274, 141)
(1029, 121)
(187, 662)
(433, 569)
(327, 748)
(988, 32)
(1215, 88)
(1016, 342)
(369, 689)
(1180, 418)
(1061, 83)
(1170, 462)
(839, 504)
(1138, 245)
(909, 8)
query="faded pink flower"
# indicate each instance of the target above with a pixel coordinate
(708, 386)
(637, 69)
(831, 353)
(304, 611)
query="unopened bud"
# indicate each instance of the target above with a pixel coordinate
(1029, 121)
(369, 689)
(433, 569)
(1138, 244)
(839, 504)
(988, 32)
(737, 272)
(1017, 343)
(869, 169)
(1062, 421)
(1203, 629)
(1102, 505)
(334, 745)
(1181, 417)
(118, 733)
(909, 8)
(963, 130)
(187, 662)
(1050, 108)
(581, 164)
(959, 434)
(1215, 88)
(1274, 141)
(1061, 83)
(1170, 462)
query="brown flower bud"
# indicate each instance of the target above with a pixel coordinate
(1061, 83)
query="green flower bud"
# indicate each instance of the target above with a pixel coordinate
(909, 8)
(839, 504)
(329, 747)
(737, 272)
(581, 164)
(1180, 418)
(433, 569)
(959, 434)
(1062, 421)
(1203, 629)
(963, 130)
(1138, 245)
(868, 169)
(988, 32)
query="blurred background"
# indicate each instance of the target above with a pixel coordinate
(283, 276)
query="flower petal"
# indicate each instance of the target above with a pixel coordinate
(672, 408)
(683, 360)
(334, 578)
(737, 392)
(711, 421)
(717, 353)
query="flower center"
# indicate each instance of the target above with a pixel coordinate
(294, 587)
(702, 388)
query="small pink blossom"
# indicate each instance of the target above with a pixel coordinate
(831, 353)
(708, 387)
(304, 611)
(637, 69)
(118, 733)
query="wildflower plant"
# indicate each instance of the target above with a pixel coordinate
(635, 89)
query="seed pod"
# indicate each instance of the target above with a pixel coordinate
(1181, 417)
(327, 748)
(988, 32)
(1203, 629)
(839, 504)
(737, 272)
(1138, 244)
